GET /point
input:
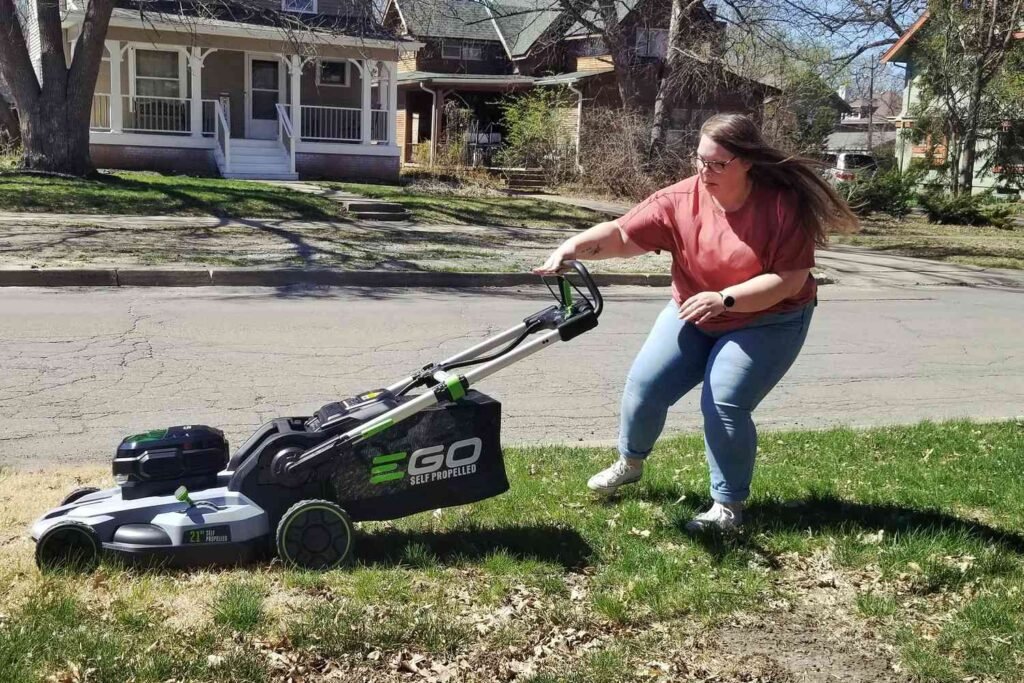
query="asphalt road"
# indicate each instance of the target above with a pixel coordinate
(80, 368)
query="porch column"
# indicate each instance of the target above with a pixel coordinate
(295, 71)
(116, 105)
(393, 103)
(195, 63)
(366, 82)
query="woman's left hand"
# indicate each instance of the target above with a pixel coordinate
(701, 307)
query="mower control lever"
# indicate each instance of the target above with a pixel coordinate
(595, 299)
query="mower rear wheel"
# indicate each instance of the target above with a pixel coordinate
(70, 546)
(314, 534)
(80, 492)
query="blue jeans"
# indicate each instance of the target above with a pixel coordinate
(738, 369)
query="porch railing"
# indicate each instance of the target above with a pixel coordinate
(336, 124)
(286, 135)
(156, 114)
(222, 134)
(168, 115)
(379, 125)
(209, 117)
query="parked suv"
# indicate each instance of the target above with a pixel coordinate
(846, 166)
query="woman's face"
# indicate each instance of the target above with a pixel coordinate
(726, 174)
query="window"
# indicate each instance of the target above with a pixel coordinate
(304, 6)
(452, 49)
(333, 73)
(591, 47)
(158, 73)
(652, 42)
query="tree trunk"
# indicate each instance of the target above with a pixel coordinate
(970, 138)
(55, 107)
(666, 80)
(55, 137)
(620, 48)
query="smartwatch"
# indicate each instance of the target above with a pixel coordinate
(727, 300)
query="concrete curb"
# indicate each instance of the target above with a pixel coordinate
(283, 277)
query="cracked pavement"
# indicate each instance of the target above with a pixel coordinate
(81, 368)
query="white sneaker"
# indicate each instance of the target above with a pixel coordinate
(721, 516)
(623, 471)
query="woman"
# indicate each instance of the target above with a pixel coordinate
(742, 234)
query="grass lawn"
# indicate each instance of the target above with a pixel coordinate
(151, 194)
(449, 209)
(880, 555)
(967, 244)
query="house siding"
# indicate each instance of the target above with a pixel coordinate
(495, 60)
(30, 30)
(331, 7)
(593, 63)
(186, 38)
(224, 75)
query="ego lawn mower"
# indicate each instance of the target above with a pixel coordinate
(298, 483)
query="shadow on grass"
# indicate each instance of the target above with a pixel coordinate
(395, 548)
(160, 195)
(542, 543)
(826, 515)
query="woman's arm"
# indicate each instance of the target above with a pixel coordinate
(756, 294)
(764, 291)
(604, 240)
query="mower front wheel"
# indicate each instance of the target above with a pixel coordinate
(70, 546)
(315, 534)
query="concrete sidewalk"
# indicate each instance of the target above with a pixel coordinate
(104, 250)
(857, 266)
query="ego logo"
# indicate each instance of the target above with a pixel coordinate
(434, 463)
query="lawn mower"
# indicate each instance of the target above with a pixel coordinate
(296, 486)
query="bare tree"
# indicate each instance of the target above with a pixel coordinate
(961, 51)
(54, 105)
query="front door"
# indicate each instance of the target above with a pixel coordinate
(266, 90)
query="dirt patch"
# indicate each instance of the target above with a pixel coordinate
(814, 636)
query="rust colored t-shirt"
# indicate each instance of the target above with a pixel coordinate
(712, 249)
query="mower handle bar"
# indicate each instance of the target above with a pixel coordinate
(595, 298)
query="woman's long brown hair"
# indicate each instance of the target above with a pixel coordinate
(822, 210)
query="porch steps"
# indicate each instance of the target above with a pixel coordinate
(526, 180)
(258, 160)
(369, 210)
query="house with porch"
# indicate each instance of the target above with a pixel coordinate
(475, 53)
(261, 89)
(910, 151)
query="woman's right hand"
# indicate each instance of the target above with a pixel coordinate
(554, 264)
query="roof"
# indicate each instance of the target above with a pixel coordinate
(622, 9)
(236, 14)
(565, 79)
(516, 24)
(896, 53)
(521, 23)
(858, 141)
(465, 19)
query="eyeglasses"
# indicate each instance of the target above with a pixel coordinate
(713, 166)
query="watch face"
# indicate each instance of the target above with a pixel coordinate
(729, 301)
